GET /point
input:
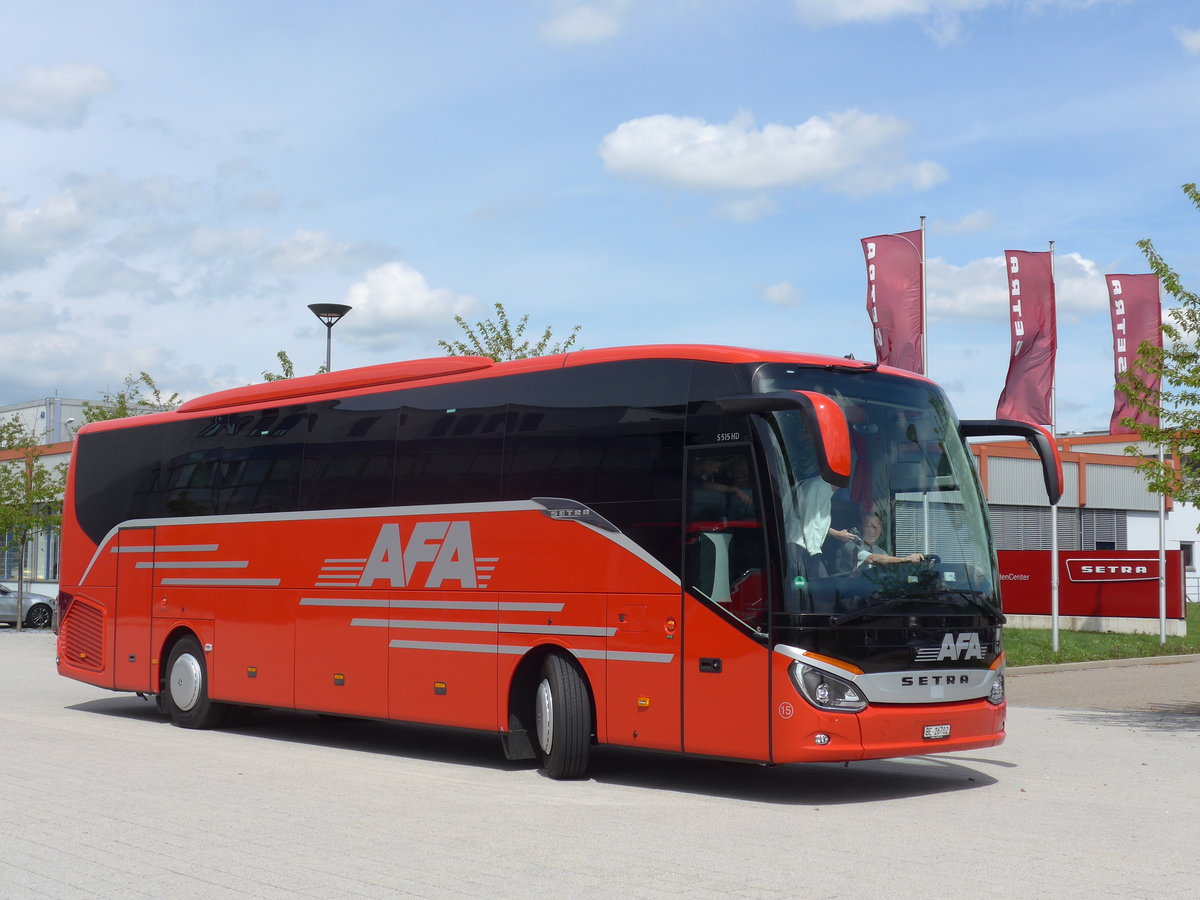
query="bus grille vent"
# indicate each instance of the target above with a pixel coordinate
(82, 636)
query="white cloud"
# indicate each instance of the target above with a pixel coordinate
(1079, 288)
(823, 12)
(585, 23)
(109, 194)
(304, 251)
(29, 237)
(784, 294)
(395, 299)
(748, 209)
(853, 152)
(49, 97)
(206, 243)
(941, 19)
(104, 275)
(972, 223)
(979, 289)
(307, 250)
(1189, 38)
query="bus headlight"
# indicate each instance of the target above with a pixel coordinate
(825, 691)
(996, 694)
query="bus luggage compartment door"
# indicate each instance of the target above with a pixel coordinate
(131, 622)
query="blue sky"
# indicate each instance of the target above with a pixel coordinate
(179, 181)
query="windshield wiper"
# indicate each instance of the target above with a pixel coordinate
(881, 607)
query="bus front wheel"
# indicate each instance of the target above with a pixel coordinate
(562, 719)
(185, 693)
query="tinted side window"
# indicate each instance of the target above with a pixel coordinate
(447, 456)
(449, 447)
(234, 464)
(117, 477)
(609, 437)
(349, 456)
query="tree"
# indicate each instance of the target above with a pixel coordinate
(140, 396)
(287, 369)
(30, 494)
(1176, 404)
(499, 341)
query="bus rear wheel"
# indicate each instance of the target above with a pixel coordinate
(562, 719)
(185, 691)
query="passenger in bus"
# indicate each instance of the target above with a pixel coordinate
(809, 518)
(711, 494)
(735, 472)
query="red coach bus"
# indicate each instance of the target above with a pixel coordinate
(650, 547)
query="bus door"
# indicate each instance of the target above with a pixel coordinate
(131, 622)
(726, 656)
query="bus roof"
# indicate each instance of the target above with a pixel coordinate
(412, 372)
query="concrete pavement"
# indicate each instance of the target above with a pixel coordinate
(99, 797)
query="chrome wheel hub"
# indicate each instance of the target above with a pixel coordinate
(544, 714)
(185, 680)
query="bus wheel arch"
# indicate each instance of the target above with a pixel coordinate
(184, 683)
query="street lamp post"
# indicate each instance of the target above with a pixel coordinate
(329, 313)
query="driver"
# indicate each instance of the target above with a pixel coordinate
(866, 551)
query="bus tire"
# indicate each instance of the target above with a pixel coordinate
(185, 688)
(562, 719)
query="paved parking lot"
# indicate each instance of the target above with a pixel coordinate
(100, 797)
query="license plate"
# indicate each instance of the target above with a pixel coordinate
(936, 732)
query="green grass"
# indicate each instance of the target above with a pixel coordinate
(1031, 646)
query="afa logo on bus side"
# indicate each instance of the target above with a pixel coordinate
(446, 545)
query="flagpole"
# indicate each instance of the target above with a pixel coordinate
(1162, 511)
(1053, 506)
(1162, 559)
(924, 329)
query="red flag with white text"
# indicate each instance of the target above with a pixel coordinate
(895, 272)
(1136, 309)
(1029, 386)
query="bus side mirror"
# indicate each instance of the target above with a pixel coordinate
(1039, 438)
(822, 417)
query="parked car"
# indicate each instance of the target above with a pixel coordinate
(37, 608)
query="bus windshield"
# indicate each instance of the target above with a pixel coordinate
(909, 534)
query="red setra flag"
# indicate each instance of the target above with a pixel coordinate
(894, 298)
(1029, 387)
(1136, 308)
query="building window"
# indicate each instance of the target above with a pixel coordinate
(41, 557)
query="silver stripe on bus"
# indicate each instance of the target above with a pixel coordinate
(334, 601)
(221, 582)
(194, 564)
(564, 630)
(169, 548)
(319, 515)
(381, 512)
(441, 645)
(431, 626)
(489, 605)
(577, 630)
(623, 655)
(611, 656)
